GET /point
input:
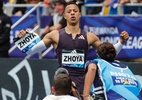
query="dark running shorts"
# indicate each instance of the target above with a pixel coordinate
(79, 81)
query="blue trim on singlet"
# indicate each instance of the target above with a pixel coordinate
(74, 65)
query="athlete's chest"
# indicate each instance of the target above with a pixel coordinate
(73, 42)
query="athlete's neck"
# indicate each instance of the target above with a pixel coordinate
(72, 29)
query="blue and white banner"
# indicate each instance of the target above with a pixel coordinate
(107, 29)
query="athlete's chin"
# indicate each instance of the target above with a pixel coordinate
(73, 22)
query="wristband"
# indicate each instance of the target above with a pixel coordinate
(118, 46)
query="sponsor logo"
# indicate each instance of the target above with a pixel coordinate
(28, 92)
(81, 37)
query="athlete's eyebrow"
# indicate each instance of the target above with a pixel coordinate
(75, 10)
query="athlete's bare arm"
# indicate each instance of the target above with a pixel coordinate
(93, 40)
(89, 78)
(51, 38)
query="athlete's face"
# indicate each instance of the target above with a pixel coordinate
(72, 14)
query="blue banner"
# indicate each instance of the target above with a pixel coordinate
(107, 29)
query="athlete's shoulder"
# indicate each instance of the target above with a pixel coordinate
(89, 62)
(53, 35)
(62, 30)
(90, 34)
(54, 32)
(93, 39)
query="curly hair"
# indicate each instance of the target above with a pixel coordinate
(106, 51)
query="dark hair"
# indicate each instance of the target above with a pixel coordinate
(61, 71)
(74, 3)
(106, 51)
(59, 1)
(1, 4)
(62, 84)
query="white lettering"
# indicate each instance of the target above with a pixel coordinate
(101, 30)
(112, 40)
(133, 43)
(72, 58)
(122, 75)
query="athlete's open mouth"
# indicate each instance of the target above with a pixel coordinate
(73, 18)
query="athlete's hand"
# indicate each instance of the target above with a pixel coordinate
(73, 89)
(21, 34)
(124, 36)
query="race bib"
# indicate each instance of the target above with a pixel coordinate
(28, 41)
(72, 57)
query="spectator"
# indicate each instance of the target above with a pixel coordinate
(47, 7)
(131, 9)
(34, 2)
(62, 86)
(112, 4)
(80, 3)
(112, 80)
(5, 28)
(58, 20)
(93, 10)
(18, 11)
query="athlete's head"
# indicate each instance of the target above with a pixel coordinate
(106, 51)
(72, 13)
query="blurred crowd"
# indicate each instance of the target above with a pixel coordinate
(109, 7)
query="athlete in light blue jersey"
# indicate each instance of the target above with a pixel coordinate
(111, 79)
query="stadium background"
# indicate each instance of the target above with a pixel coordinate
(31, 79)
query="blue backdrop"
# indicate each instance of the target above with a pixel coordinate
(107, 29)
